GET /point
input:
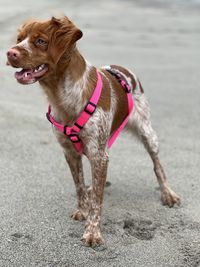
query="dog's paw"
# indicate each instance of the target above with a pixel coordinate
(170, 198)
(79, 215)
(92, 239)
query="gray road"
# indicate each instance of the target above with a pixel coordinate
(160, 42)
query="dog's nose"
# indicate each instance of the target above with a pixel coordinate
(13, 54)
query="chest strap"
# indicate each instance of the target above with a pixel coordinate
(73, 131)
(122, 80)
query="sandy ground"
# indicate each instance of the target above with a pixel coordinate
(160, 42)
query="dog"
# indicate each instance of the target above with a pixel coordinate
(88, 108)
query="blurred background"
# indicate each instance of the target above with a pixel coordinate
(157, 39)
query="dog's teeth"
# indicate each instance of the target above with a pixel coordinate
(41, 67)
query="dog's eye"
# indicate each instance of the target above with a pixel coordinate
(19, 40)
(40, 42)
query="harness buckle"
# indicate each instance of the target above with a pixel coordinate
(90, 108)
(74, 138)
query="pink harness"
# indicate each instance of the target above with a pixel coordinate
(73, 131)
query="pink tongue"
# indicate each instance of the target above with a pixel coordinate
(23, 74)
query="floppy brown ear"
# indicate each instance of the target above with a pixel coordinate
(65, 34)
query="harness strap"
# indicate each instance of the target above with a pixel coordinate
(130, 99)
(73, 131)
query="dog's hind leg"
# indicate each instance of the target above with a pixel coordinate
(140, 124)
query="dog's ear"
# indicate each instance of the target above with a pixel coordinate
(64, 36)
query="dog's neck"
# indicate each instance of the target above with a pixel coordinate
(67, 88)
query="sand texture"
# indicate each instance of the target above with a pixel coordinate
(160, 41)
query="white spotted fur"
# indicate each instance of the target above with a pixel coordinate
(71, 93)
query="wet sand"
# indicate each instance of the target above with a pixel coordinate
(160, 42)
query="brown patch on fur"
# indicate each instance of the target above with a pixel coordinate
(122, 104)
(64, 38)
(121, 98)
(104, 100)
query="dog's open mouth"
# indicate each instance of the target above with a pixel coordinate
(28, 76)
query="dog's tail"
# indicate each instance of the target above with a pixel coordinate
(136, 84)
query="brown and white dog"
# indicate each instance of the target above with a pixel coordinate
(46, 51)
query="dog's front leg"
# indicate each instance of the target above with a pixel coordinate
(92, 235)
(74, 161)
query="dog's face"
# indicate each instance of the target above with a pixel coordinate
(40, 46)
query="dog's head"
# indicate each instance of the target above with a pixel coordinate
(41, 46)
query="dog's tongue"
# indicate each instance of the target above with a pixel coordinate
(25, 76)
